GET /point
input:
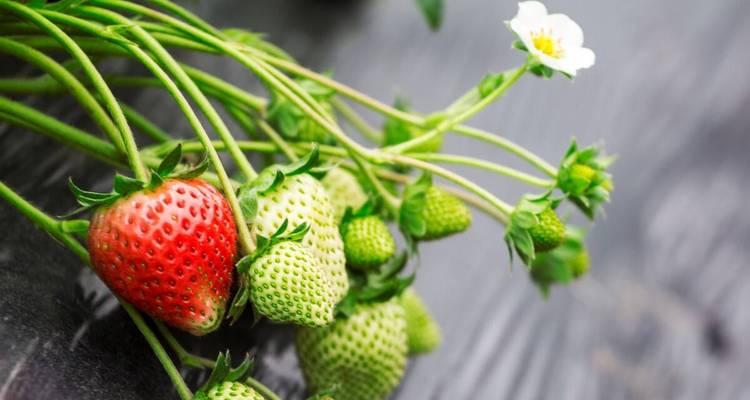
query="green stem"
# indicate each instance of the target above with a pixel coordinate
(185, 357)
(391, 202)
(52, 227)
(65, 80)
(187, 16)
(143, 124)
(246, 240)
(262, 389)
(464, 115)
(453, 177)
(277, 140)
(509, 146)
(162, 56)
(489, 166)
(370, 133)
(51, 127)
(270, 76)
(91, 72)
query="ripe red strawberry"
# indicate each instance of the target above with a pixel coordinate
(169, 251)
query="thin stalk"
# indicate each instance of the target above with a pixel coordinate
(453, 177)
(64, 79)
(91, 72)
(246, 240)
(187, 16)
(143, 124)
(277, 140)
(255, 65)
(464, 115)
(185, 357)
(206, 79)
(509, 146)
(161, 55)
(391, 202)
(370, 133)
(486, 165)
(53, 128)
(53, 228)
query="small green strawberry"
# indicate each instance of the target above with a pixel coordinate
(287, 285)
(422, 330)
(579, 265)
(295, 124)
(344, 190)
(567, 262)
(365, 354)
(233, 391)
(584, 179)
(367, 242)
(444, 215)
(549, 231)
(396, 132)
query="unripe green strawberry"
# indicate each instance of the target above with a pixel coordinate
(233, 391)
(549, 232)
(303, 199)
(365, 354)
(422, 331)
(344, 190)
(444, 214)
(367, 242)
(287, 285)
(579, 265)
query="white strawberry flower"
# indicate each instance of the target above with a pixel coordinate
(554, 40)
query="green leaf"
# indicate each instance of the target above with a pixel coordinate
(169, 162)
(432, 10)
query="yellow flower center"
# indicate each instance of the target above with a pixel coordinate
(547, 44)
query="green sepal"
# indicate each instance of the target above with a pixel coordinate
(432, 10)
(490, 83)
(169, 162)
(367, 209)
(524, 217)
(584, 179)
(269, 179)
(413, 200)
(542, 71)
(518, 45)
(125, 185)
(240, 300)
(376, 286)
(223, 371)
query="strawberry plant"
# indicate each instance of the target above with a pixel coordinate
(307, 241)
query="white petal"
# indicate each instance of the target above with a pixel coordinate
(530, 12)
(565, 29)
(581, 57)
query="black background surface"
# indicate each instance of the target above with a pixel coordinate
(663, 314)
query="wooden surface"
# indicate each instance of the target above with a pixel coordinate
(663, 315)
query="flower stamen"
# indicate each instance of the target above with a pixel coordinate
(547, 44)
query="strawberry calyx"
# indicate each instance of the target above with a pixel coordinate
(293, 123)
(525, 220)
(223, 372)
(562, 265)
(263, 245)
(413, 201)
(273, 176)
(124, 185)
(584, 179)
(375, 286)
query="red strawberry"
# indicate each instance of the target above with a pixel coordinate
(169, 251)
